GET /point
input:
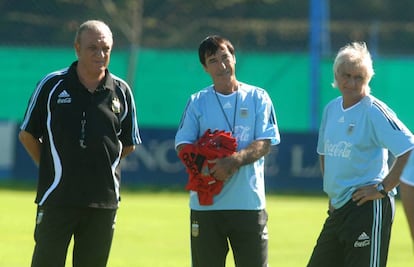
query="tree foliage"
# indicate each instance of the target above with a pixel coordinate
(273, 25)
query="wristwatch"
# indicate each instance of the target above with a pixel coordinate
(381, 189)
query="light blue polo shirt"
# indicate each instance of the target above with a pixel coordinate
(250, 115)
(355, 143)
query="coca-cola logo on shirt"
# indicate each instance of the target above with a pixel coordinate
(340, 149)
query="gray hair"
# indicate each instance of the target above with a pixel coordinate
(356, 53)
(92, 25)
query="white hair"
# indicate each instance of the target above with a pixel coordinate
(356, 53)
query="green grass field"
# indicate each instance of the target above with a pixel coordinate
(152, 230)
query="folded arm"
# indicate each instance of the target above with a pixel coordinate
(224, 168)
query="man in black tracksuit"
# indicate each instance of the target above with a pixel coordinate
(79, 123)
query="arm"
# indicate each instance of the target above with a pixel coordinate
(127, 150)
(322, 163)
(370, 192)
(322, 166)
(407, 197)
(32, 145)
(393, 178)
(225, 167)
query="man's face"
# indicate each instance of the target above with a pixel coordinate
(352, 80)
(94, 51)
(221, 65)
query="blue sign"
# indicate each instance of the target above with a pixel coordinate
(291, 166)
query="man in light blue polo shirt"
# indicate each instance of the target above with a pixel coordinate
(356, 134)
(237, 215)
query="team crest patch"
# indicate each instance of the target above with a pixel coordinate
(351, 127)
(116, 105)
(244, 112)
(195, 229)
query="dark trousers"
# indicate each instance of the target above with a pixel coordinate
(355, 236)
(212, 231)
(92, 231)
